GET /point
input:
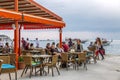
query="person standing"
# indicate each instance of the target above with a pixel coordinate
(70, 43)
(99, 48)
(37, 43)
(23, 43)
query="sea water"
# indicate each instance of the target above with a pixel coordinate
(113, 48)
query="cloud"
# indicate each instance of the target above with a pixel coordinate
(87, 15)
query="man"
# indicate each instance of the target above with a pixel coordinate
(37, 43)
(79, 46)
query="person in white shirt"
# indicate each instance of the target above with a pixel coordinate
(37, 43)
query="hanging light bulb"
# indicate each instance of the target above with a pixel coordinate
(13, 26)
(22, 27)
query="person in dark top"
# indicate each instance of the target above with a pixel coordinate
(70, 43)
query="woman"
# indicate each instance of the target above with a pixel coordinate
(6, 48)
(99, 48)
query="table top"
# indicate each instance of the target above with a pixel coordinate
(41, 56)
(1, 60)
(4, 54)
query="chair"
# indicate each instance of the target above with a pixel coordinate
(52, 64)
(6, 67)
(92, 49)
(0, 64)
(24, 52)
(29, 64)
(81, 59)
(48, 52)
(12, 58)
(65, 59)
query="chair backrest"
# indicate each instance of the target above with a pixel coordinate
(92, 48)
(0, 65)
(27, 59)
(48, 52)
(82, 56)
(54, 59)
(12, 58)
(6, 59)
(42, 51)
(64, 56)
(24, 52)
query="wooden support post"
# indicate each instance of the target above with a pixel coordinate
(60, 37)
(16, 35)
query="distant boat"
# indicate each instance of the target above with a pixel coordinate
(75, 39)
(4, 39)
(84, 41)
(106, 42)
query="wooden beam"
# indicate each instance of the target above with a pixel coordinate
(44, 9)
(30, 18)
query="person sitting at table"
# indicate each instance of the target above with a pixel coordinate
(53, 44)
(48, 48)
(65, 47)
(52, 50)
(58, 49)
(31, 46)
(6, 48)
(78, 46)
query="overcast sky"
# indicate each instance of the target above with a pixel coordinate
(86, 15)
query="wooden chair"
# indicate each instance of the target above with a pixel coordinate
(65, 59)
(12, 58)
(52, 64)
(6, 67)
(48, 52)
(0, 65)
(24, 52)
(81, 59)
(29, 63)
(92, 49)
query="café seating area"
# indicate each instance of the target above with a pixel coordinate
(39, 63)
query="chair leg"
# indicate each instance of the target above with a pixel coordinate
(9, 76)
(15, 75)
(35, 71)
(57, 70)
(66, 65)
(78, 65)
(48, 69)
(30, 72)
(52, 70)
(23, 71)
(26, 69)
(85, 66)
(40, 71)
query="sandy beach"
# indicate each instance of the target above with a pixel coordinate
(108, 69)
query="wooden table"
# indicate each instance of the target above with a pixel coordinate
(34, 52)
(4, 54)
(1, 60)
(42, 61)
